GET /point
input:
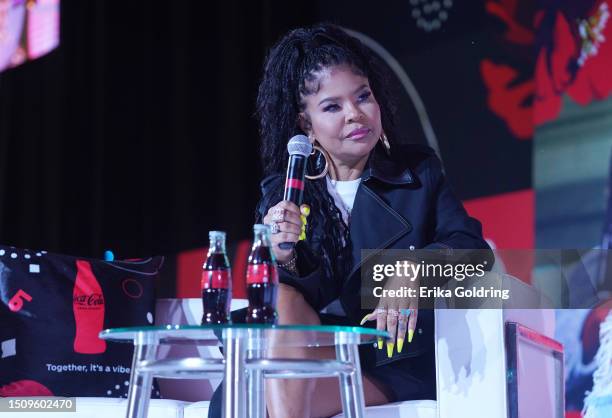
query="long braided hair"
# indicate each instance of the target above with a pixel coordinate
(290, 68)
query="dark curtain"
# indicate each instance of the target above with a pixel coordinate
(137, 133)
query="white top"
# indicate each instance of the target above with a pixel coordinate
(343, 193)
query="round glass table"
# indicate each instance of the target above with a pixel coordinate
(246, 362)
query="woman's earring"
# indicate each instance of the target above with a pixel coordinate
(324, 155)
(385, 141)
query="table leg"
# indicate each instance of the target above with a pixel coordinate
(255, 381)
(351, 384)
(145, 348)
(234, 382)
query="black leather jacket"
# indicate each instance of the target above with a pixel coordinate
(403, 202)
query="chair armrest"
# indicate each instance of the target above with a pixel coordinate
(540, 359)
(471, 359)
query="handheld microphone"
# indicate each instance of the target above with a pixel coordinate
(299, 148)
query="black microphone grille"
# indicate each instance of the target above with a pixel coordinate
(299, 145)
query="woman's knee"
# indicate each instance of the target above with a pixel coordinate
(292, 307)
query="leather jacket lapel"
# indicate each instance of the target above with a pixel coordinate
(374, 224)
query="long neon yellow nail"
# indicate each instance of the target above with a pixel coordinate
(305, 209)
(302, 236)
(410, 335)
(364, 319)
(400, 344)
(380, 343)
(390, 349)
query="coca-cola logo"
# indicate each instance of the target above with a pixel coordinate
(95, 299)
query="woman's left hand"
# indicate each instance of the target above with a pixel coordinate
(396, 314)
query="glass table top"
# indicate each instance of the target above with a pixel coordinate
(261, 335)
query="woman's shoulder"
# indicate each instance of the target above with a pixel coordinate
(412, 151)
(416, 157)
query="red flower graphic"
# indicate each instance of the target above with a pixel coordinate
(576, 61)
(574, 57)
(510, 103)
(510, 92)
(593, 81)
(552, 72)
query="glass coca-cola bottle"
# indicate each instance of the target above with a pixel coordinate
(88, 308)
(216, 282)
(261, 279)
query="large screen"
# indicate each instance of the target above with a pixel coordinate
(28, 30)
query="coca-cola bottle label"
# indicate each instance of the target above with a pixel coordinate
(88, 308)
(215, 279)
(261, 273)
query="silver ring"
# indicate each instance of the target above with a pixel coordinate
(406, 312)
(381, 310)
(393, 313)
(274, 228)
(278, 214)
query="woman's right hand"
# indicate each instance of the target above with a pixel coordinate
(286, 215)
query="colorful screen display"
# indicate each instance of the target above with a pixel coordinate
(28, 30)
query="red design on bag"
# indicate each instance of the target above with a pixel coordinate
(88, 308)
(261, 273)
(16, 302)
(215, 279)
(24, 388)
(132, 288)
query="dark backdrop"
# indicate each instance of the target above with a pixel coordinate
(137, 133)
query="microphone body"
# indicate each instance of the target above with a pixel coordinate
(299, 148)
(294, 182)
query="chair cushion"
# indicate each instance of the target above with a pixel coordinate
(406, 409)
(196, 410)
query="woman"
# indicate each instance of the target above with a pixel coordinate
(376, 193)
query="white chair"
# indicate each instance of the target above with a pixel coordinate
(476, 349)
(494, 359)
(498, 363)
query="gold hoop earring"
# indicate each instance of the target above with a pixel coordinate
(385, 142)
(323, 173)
